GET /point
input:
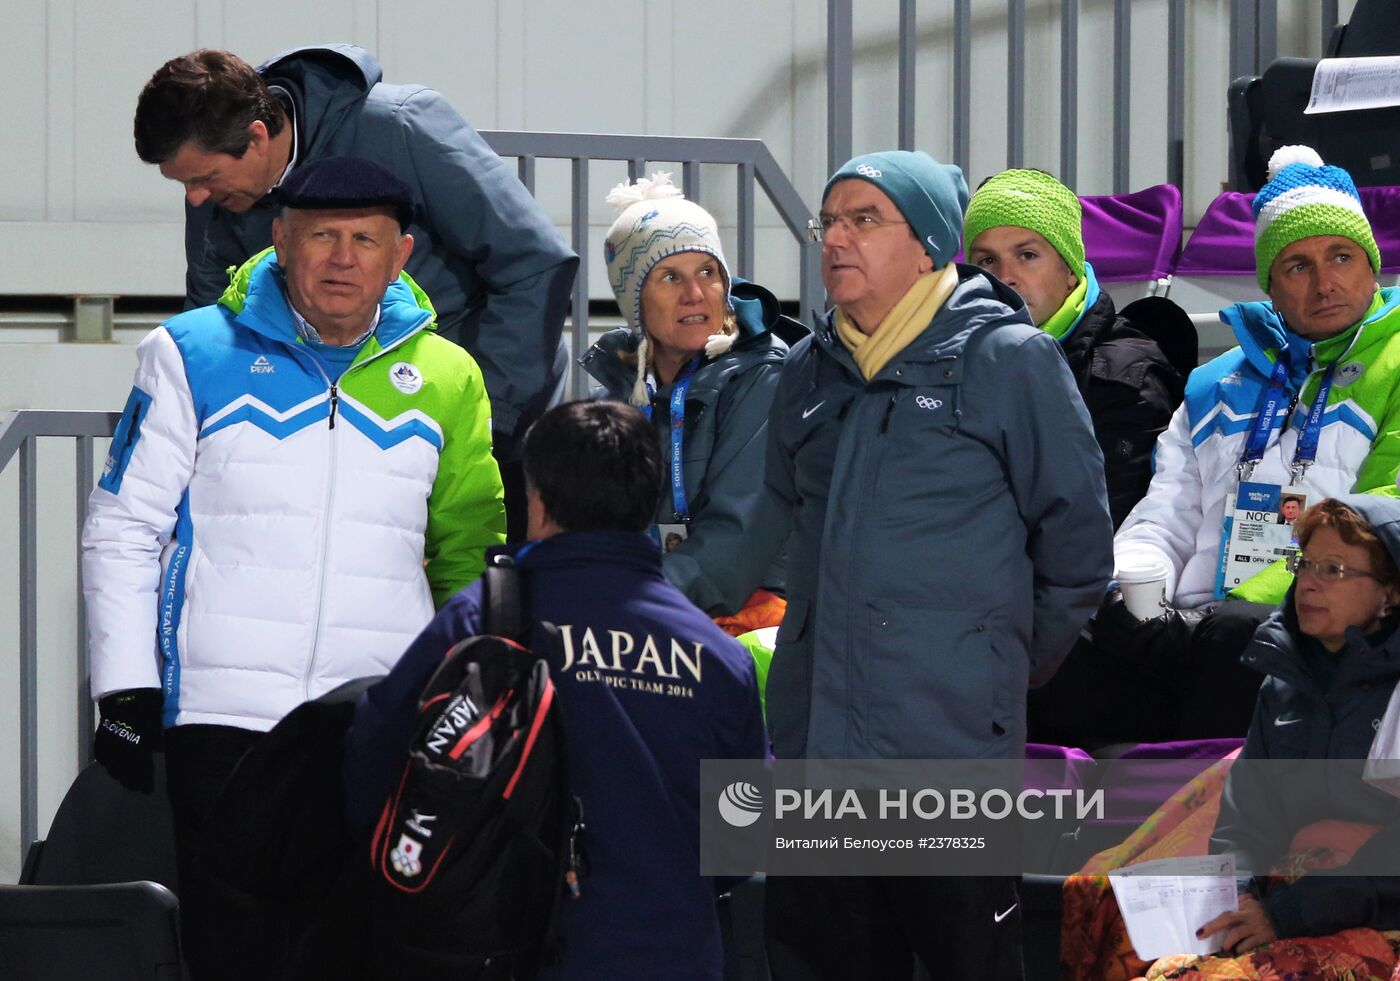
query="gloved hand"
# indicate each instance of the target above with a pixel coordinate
(128, 733)
(1158, 645)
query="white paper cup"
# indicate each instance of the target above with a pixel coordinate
(1143, 582)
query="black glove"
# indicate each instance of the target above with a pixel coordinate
(128, 733)
(1158, 645)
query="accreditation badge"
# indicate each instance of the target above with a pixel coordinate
(668, 536)
(1257, 532)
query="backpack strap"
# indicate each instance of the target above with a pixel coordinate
(502, 600)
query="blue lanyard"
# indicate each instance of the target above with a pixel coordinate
(678, 499)
(678, 393)
(1306, 451)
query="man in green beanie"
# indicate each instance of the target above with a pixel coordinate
(1025, 228)
(949, 537)
(1306, 408)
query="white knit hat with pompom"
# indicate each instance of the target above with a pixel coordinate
(655, 221)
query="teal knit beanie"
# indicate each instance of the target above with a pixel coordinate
(931, 196)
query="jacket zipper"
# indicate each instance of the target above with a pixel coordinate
(330, 502)
(326, 511)
(889, 411)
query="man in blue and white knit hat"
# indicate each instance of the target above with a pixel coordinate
(1325, 347)
(949, 537)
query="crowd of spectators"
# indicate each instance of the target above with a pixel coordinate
(919, 490)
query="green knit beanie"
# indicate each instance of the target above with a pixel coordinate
(1029, 199)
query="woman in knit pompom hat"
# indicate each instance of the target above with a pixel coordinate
(693, 327)
(657, 224)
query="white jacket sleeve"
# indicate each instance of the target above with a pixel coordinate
(1165, 523)
(131, 517)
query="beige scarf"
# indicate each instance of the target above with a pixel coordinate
(901, 325)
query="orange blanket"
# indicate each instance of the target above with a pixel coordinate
(1094, 944)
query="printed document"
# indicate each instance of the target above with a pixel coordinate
(1342, 84)
(1165, 902)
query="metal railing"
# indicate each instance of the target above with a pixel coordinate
(1253, 45)
(19, 436)
(753, 164)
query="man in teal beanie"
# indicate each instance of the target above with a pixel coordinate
(949, 535)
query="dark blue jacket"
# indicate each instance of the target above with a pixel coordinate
(637, 727)
(1296, 718)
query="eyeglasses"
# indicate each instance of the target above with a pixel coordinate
(1326, 571)
(859, 223)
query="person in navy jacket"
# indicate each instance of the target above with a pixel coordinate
(648, 687)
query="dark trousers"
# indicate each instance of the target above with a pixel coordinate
(1203, 692)
(223, 934)
(513, 483)
(854, 928)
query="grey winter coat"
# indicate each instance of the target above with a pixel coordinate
(1296, 719)
(950, 535)
(495, 268)
(726, 435)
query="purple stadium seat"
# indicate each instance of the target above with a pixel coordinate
(1223, 242)
(1133, 237)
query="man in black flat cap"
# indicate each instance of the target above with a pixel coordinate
(303, 472)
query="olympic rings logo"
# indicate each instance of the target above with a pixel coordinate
(865, 170)
(925, 402)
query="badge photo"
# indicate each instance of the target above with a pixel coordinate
(671, 535)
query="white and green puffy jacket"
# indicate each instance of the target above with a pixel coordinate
(1181, 517)
(259, 535)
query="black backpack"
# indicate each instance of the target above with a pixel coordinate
(479, 841)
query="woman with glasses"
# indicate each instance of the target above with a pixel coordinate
(700, 355)
(1331, 658)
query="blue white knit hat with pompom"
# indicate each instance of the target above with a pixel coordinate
(1303, 198)
(656, 221)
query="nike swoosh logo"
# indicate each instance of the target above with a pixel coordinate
(998, 917)
(808, 412)
(1286, 722)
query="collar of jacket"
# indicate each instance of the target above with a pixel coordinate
(965, 311)
(580, 549)
(256, 296)
(326, 83)
(1274, 651)
(1262, 335)
(1089, 298)
(1096, 321)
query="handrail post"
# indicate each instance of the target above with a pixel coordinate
(83, 483)
(28, 647)
(579, 238)
(744, 194)
(838, 83)
(908, 56)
